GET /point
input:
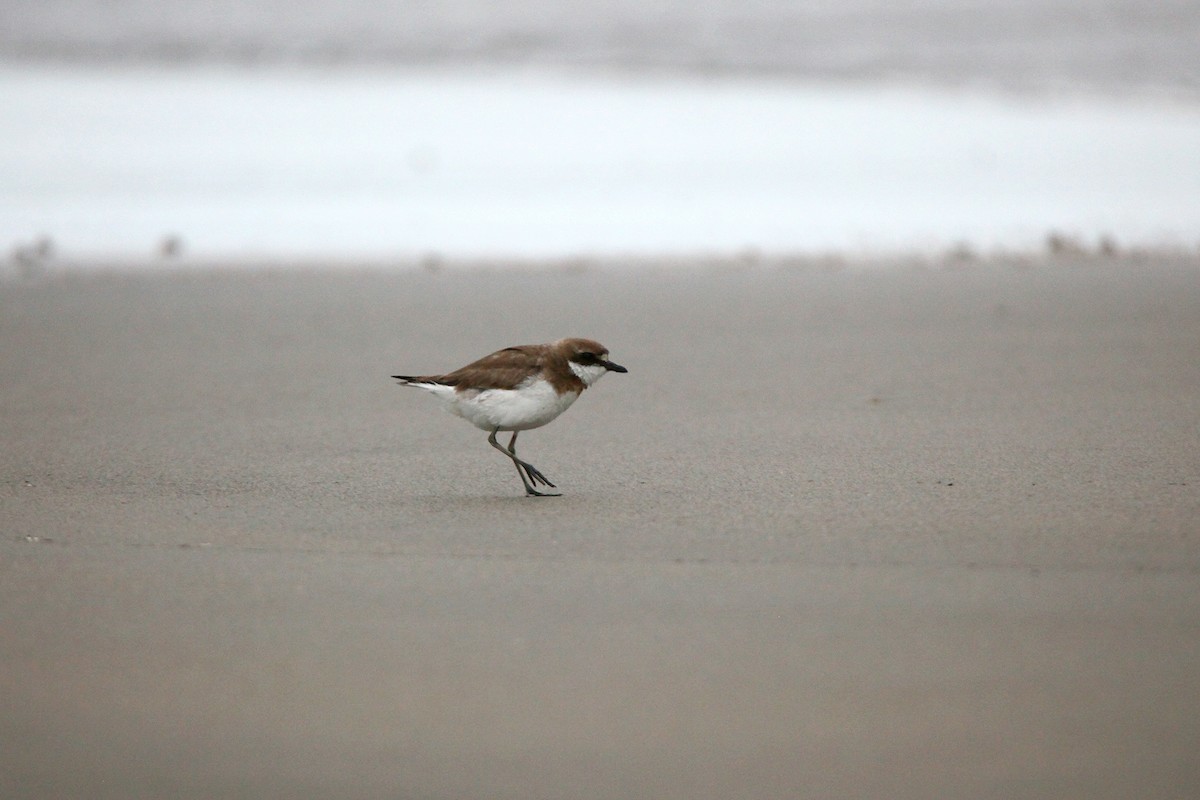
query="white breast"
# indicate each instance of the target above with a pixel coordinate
(528, 406)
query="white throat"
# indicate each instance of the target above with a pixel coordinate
(588, 374)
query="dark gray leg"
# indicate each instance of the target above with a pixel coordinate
(535, 474)
(530, 475)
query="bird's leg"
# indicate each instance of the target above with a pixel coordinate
(521, 472)
(534, 474)
(492, 441)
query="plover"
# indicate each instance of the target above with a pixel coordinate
(518, 389)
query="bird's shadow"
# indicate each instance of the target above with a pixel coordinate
(471, 502)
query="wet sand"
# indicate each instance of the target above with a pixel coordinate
(890, 531)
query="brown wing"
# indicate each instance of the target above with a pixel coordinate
(503, 369)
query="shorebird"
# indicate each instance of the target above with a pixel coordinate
(518, 389)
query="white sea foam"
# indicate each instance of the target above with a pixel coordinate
(356, 163)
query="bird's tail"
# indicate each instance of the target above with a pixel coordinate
(418, 380)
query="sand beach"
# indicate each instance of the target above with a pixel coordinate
(900, 497)
(905, 529)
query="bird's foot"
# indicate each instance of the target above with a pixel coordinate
(536, 476)
(535, 493)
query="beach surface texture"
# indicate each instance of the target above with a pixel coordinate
(893, 530)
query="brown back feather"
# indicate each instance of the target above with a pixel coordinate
(505, 369)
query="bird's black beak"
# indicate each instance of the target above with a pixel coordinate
(611, 367)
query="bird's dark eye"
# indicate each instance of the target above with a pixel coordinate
(587, 358)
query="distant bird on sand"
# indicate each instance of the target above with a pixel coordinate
(518, 389)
